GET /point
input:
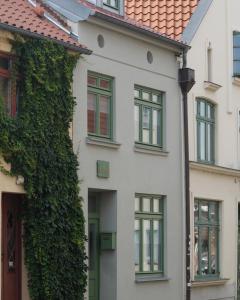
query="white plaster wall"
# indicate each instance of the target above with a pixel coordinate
(124, 58)
(216, 28)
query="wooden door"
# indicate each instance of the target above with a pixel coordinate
(11, 247)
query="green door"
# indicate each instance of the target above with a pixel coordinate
(93, 252)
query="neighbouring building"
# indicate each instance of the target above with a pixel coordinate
(214, 36)
(27, 19)
(127, 132)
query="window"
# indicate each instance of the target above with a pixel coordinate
(100, 105)
(148, 116)
(112, 3)
(148, 234)
(206, 236)
(7, 92)
(209, 63)
(236, 54)
(205, 131)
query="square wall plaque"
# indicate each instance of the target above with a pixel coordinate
(103, 169)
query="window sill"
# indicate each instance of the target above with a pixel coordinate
(209, 282)
(150, 150)
(211, 86)
(150, 278)
(214, 169)
(236, 80)
(102, 142)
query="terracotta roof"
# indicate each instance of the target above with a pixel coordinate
(20, 15)
(130, 21)
(168, 17)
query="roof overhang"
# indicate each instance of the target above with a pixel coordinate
(39, 36)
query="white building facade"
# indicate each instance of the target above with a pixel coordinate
(213, 34)
(127, 132)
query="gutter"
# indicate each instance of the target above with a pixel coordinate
(40, 36)
(186, 81)
(141, 30)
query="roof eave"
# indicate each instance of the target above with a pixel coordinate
(40, 36)
(164, 39)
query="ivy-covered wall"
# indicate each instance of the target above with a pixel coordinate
(38, 146)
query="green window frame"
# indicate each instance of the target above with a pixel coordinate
(100, 102)
(205, 131)
(111, 3)
(149, 234)
(206, 239)
(236, 54)
(148, 115)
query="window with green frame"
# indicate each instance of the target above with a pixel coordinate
(112, 3)
(148, 236)
(100, 97)
(148, 116)
(236, 53)
(206, 239)
(205, 131)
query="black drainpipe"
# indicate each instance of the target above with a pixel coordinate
(186, 82)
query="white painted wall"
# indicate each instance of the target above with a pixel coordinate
(124, 58)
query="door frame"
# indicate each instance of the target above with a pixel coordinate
(19, 241)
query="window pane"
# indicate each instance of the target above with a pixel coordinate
(236, 40)
(5, 93)
(156, 206)
(146, 125)
(145, 96)
(213, 212)
(137, 204)
(204, 211)
(136, 118)
(92, 81)
(236, 53)
(146, 202)
(202, 109)
(105, 84)
(156, 127)
(196, 211)
(137, 245)
(213, 250)
(4, 63)
(92, 113)
(156, 245)
(209, 109)
(136, 93)
(104, 115)
(196, 251)
(113, 3)
(204, 249)
(146, 245)
(236, 67)
(202, 141)
(155, 98)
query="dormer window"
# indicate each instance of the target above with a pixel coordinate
(111, 3)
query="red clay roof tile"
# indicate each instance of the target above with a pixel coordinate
(138, 16)
(172, 15)
(22, 15)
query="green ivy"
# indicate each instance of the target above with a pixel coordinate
(38, 146)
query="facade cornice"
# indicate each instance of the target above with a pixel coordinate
(214, 169)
